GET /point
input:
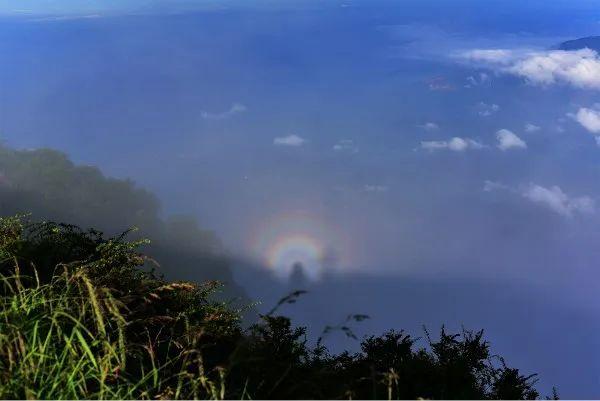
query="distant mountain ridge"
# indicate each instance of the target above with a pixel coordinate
(590, 42)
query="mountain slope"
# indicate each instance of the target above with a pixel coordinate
(590, 42)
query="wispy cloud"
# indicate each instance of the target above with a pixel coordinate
(492, 56)
(531, 127)
(455, 144)
(489, 186)
(486, 110)
(429, 126)
(481, 79)
(290, 140)
(345, 146)
(509, 140)
(376, 188)
(236, 108)
(439, 84)
(70, 17)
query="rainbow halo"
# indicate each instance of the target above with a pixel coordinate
(294, 238)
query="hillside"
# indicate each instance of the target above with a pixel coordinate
(47, 184)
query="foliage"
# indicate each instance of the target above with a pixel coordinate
(81, 317)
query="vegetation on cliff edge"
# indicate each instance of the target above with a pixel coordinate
(83, 316)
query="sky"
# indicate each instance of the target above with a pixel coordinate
(429, 142)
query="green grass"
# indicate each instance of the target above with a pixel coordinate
(66, 340)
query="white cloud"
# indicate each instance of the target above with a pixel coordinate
(236, 108)
(552, 198)
(345, 145)
(531, 127)
(589, 119)
(508, 140)
(455, 144)
(486, 110)
(578, 68)
(559, 202)
(290, 140)
(429, 126)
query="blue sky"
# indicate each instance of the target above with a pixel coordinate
(438, 139)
